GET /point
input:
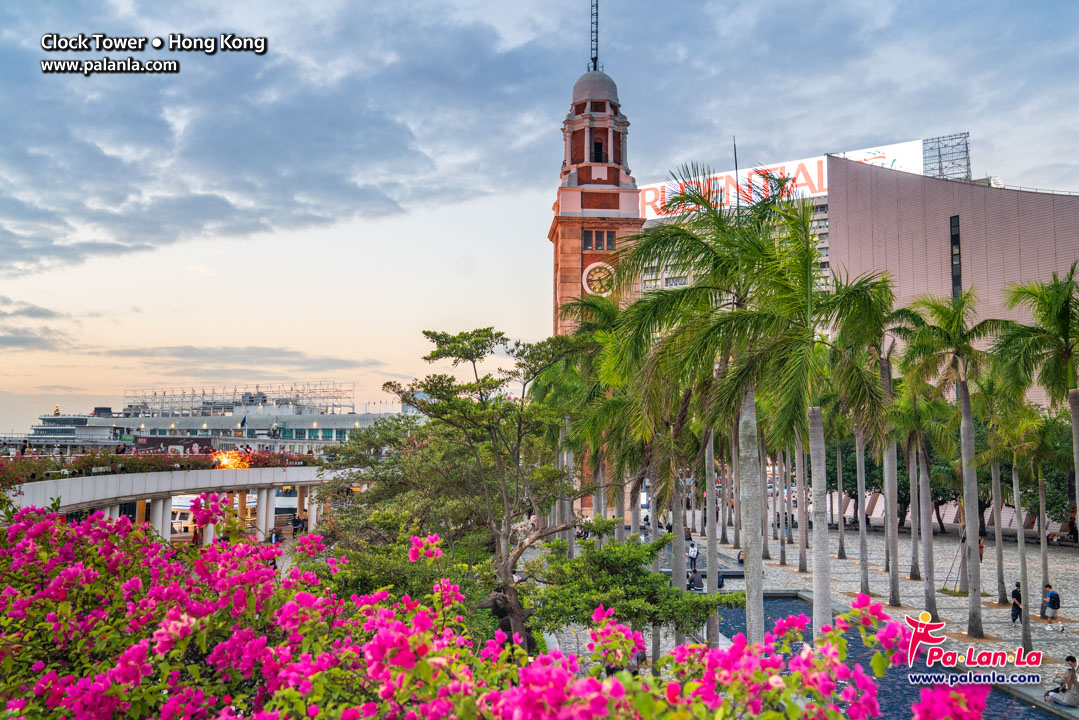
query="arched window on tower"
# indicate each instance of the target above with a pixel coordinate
(597, 152)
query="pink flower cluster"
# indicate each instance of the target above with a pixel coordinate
(207, 509)
(613, 643)
(425, 547)
(962, 702)
(310, 545)
(102, 621)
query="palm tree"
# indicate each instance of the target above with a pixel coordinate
(920, 418)
(944, 348)
(1046, 348)
(688, 325)
(1040, 450)
(1022, 431)
(837, 427)
(785, 349)
(870, 336)
(991, 400)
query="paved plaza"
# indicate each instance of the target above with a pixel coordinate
(996, 619)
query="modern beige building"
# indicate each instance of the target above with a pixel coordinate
(935, 236)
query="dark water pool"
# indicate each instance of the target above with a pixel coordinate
(896, 694)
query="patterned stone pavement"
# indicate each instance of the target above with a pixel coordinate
(996, 619)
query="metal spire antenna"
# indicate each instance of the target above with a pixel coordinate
(595, 35)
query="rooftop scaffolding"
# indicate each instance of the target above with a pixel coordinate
(323, 397)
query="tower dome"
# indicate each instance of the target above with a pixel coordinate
(595, 85)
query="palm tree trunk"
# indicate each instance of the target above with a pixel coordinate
(765, 553)
(783, 507)
(693, 512)
(891, 518)
(926, 507)
(1073, 404)
(912, 471)
(800, 479)
(724, 515)
(822, 581)
(678, 547)
(863, 541)
(1024, 585)
(711, 560)
(842, 554)
(571, 547)
(620, 510)
(654, 522)
(736, 483)
(998, 532)
(1043, 526)
(964, 575)
(754, 566)
(599, 507)
(635, 510)
(970, 498)
(774, 492)
(788, 495)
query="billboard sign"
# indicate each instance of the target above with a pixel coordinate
(808, 177)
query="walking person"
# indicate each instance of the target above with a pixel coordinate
(691, 554)
(1067, 693)
(1017, 603)
(1052, 606)
(981, 550)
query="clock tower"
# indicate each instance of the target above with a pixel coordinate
(598, 201)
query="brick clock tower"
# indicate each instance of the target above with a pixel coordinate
(598, 201)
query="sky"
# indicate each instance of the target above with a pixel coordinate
(385, 168)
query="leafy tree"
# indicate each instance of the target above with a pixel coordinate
(566, 590)
(495, 432)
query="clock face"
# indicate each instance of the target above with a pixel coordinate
(599, 279)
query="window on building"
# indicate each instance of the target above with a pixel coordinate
(957, 267)
(597, 152)
(301, 434)
(586, 240)
(610, 239)
(679, 281)
(824, 252)
(824, 265)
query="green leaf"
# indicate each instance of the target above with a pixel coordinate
(644, 704)
(879, 663)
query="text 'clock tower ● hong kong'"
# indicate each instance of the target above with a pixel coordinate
(598, 200)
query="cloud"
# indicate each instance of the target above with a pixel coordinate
(59, 388)
(370, 109)
(247, 362)
(356, 113)
(17, 309)
(30, 339)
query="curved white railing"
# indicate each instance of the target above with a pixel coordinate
(85, 492)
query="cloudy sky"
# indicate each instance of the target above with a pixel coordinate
(390, 167)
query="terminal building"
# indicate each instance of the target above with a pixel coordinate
(299, 417)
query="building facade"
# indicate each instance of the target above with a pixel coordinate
(936, 236)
